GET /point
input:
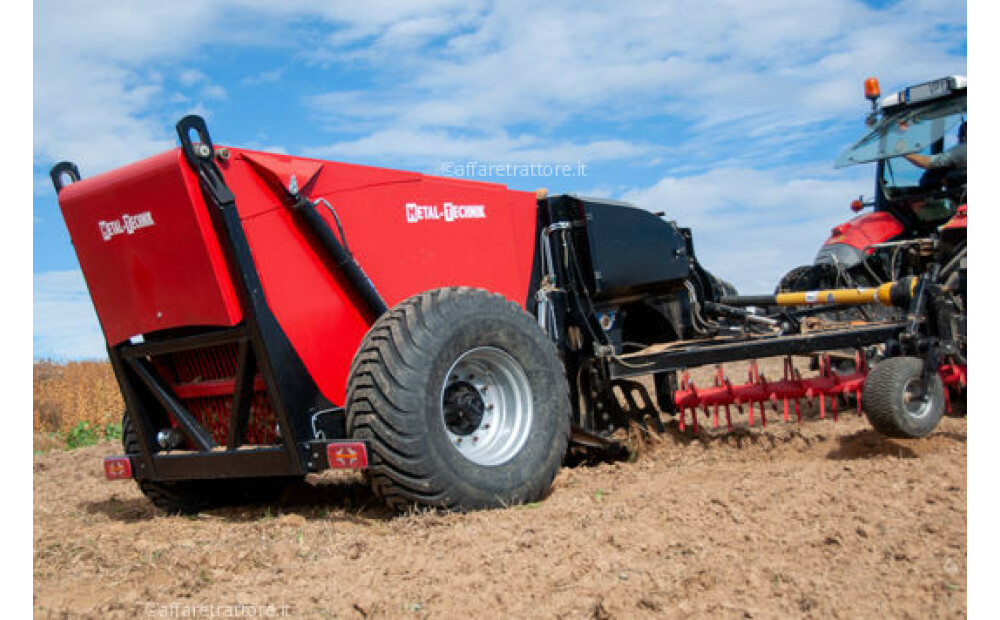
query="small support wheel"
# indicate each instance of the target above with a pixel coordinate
(898, 400)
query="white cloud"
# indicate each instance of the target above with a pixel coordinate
(264, 77)
(727, 68)
(95, 114)
(95, 102)
(190, 77)
(415, 147)
(214, 91)
(65, 323)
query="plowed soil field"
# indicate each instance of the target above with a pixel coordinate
(818, 519)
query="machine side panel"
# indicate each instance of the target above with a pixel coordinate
(147, 248)
(620, 239)
(409, 232)
(411, 237)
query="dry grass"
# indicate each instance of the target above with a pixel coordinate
(67, 394)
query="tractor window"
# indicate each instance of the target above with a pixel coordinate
(901, 178)
(919, 191)
(910, 130)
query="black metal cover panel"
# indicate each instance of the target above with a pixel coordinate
(633, 251)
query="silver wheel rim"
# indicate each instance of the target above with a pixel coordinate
(916, 399)
(486, 406)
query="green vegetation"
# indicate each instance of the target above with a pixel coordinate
(87, 434)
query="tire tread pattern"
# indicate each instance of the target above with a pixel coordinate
(883, 399)
(393, 354)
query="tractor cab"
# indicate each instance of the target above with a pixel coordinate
(924, 120)
(911, 133)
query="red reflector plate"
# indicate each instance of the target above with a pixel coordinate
(117, 468)
(352, 455)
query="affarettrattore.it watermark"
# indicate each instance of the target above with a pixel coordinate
(210, 610)
(475, 169)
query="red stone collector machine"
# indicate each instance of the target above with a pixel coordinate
(269, 316)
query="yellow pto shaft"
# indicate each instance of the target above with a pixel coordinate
(889, 294)
(899, 294)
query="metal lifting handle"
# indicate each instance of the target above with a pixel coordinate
(200, 157)
(61, 170)
(195, 151)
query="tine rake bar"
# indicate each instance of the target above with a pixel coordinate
(758, 392)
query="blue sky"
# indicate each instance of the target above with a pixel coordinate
(725, 114)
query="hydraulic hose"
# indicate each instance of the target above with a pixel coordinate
(342, 258)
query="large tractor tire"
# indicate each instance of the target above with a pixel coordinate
(192, 496)
(809, 278)
(824, 276)
(463, 401)
(896, 401)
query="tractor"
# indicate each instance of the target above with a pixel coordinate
(918, 212)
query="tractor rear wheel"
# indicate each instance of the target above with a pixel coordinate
(899, 402)
(825, 276)
(463, 401)
(192, 496)
(804, 278)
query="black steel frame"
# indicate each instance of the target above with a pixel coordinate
(262, 347)
(600, 368)
(732, 350)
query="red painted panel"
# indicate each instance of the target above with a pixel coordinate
(864, 230)
(959, 220)
(409, 232)
(147, 249)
